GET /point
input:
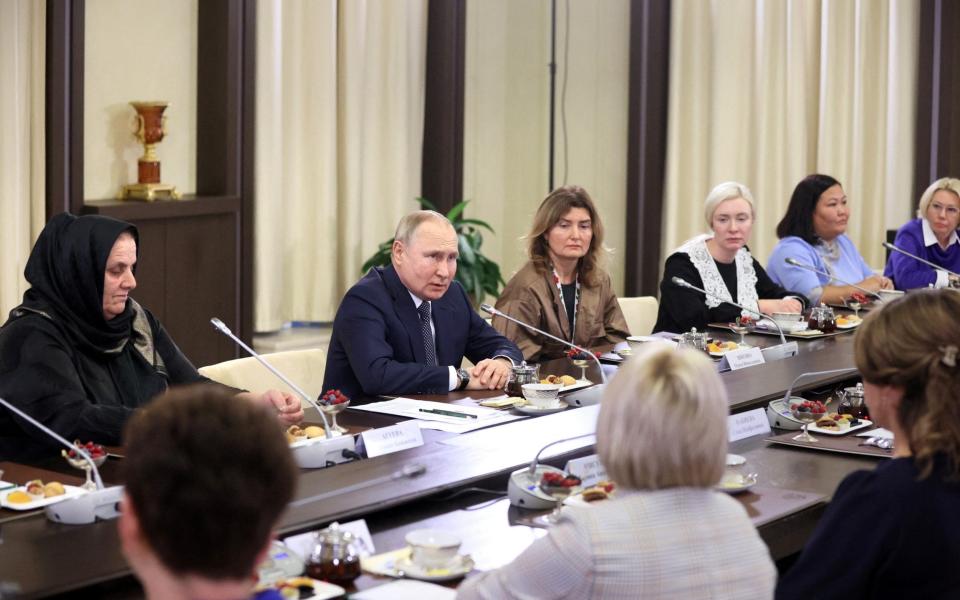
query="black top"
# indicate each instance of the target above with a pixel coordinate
(569, 300)
(682, 308)
(66, 365)
(884, 535)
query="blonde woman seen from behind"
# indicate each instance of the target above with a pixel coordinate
(662, 437)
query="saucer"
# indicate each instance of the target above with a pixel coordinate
(734, 483)
(457, 568)
(529, 409)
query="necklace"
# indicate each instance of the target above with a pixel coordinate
(576, 299)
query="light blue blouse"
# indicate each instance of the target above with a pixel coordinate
(848, 267)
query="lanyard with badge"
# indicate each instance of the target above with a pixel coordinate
(576, 299)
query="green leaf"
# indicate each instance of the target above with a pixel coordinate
(476, 222)
(456, 210)
(467, 255)
(426, 204)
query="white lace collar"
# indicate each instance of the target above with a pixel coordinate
(696, 249)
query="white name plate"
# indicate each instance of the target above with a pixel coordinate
(394, 438)
(742, 358)
(747, 424)
(588, 468)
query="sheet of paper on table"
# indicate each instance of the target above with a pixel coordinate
(408, 407)
(406, 588)
(879, 432)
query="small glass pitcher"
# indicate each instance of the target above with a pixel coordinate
(335, 556)
(693, 339)
(822, 318)
(520, 375)
(851, 401)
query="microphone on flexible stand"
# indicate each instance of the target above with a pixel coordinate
(936, 267)
(102, 502)
(316, 452)
(796, 263)
(778, 411)
(523, 488)
(586, 397)
(783, 350)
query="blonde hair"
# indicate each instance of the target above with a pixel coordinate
(911, 343)
(663, 421)
(944, 183)
(552, 209)
(728, 190)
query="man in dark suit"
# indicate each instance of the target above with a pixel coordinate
(404, 329)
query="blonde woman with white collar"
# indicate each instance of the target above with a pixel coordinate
(720, 263)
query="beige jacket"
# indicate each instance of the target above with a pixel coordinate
(532, 297)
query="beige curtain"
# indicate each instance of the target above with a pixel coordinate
(339, 130)
(768, 92)
(506, 116)
(22, 207)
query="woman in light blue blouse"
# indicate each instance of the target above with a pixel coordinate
(812, 232)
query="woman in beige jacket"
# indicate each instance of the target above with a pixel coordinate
(563, 288)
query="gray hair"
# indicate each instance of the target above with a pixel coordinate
(728, 190)
(409, 223)
(944, 183)
(663, 421)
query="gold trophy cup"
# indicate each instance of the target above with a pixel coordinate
(151, 128)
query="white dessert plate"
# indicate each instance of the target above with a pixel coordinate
(70, 491)
(850, 324)
(529, 409)
(458, 567)
(723, 351)
(576, 386)
(863, 425)
(322, 590)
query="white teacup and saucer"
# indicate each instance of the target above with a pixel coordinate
(542, 399)
(434, 556)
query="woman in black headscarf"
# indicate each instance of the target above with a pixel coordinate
(79, 354)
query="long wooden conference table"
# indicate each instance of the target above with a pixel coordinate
(39, 558)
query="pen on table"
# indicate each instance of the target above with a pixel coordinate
(447, 413)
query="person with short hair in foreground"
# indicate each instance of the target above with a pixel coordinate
(662, 437)
(405, 328)
(207, 478)
(894, 532)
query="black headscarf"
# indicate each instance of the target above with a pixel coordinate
(66, 270)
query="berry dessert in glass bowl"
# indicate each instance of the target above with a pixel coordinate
(558, 485)
(807, 411)
(582, 358)
(96, 452)
(332, 402)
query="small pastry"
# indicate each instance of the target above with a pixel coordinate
(35, 489)
(295, 434)
(314, 431)
(54, 488)
(566, 380)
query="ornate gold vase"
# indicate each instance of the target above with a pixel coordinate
(151, 128)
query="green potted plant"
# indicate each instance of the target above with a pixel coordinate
(478, 275)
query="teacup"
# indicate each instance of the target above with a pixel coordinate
(432, 548)
(888, 295)
(787, 320)
(541, 395)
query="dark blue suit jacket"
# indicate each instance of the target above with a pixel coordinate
(377, 347)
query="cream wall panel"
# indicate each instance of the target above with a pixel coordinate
(138, 50)
(506, 125)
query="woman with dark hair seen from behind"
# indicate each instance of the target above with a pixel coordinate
(813, 233)
(662, 437)
(894, 532)
(79, 354)
(720, 262)
(932, 236)
(563, 288)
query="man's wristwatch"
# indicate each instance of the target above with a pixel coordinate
(464, 376)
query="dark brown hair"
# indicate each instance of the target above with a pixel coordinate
(208, 475)
(799, 218)
(551, 210)
(911, 343)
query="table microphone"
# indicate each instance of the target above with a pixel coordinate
(796, 263)
(783, 350)
(314, 453)
(786, 397)
(222, 328)
(890, 246)
(492, 311)
(102, 502)
(523, 487)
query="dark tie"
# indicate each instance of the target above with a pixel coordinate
(429, 351)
